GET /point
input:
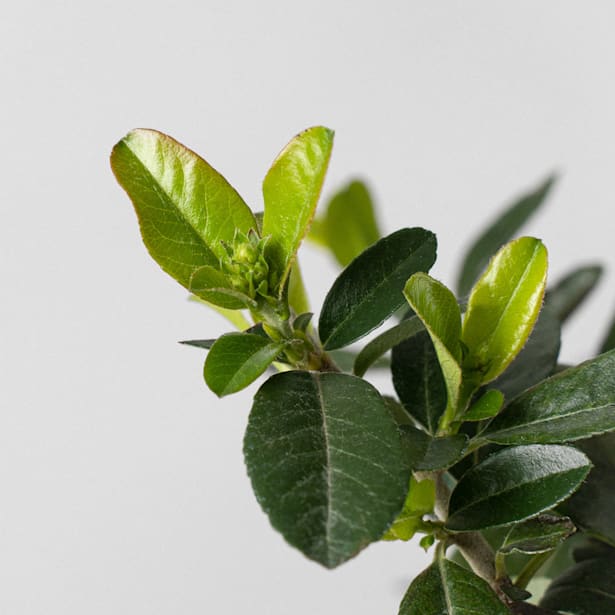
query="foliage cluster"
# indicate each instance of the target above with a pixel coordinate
(488, 447)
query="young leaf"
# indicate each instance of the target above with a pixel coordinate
(576, 403)
(384, 342)
(326, 464)
(503, 307)
(588, 588)
(536, 361)
(370, 289)
(291, 189)
(425, 453)
(349, 224)
(297, 293)
(609, 340)
(501, 231)
(538, 535)
(437, 308)
(186, 209)
(417, 378)
(238, 359)
(420, 501)
(591, 508)
(446, 588)
(515, 484)
(486, 407)
(213, 286)
(572, 290)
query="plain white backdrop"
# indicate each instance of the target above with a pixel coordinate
(122, 486)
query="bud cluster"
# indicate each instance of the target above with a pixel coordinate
(246, 266)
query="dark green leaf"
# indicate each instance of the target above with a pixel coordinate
(425, 453)
(536, 361)
(446, 588)
(186, 209)
(291, 190)
(538, 535)
(486, 407)
(302, 321)
(498, 233)
(207, 344)
(503, 307)
(572, 290)
(588, 588)
(609, 340)
(381, 344)
(236, 360)
(349, 225)
(370, 289)
(574, 404)
(592, 507)
(420, 501)
(346, 360)
(418, 380)
(515, 484)
(326, 464)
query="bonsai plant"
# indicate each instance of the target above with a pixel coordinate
(491, 452)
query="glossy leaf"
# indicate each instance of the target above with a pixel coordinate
(446, 588)
(326, 464)
(515, 484)
(538, 535)
(370, 289)
(486, 407)
(236, 360)
(186, 209)
(588, 588)
(437, 308)
(576, 403)
(503, 307)
(420, 501)
(384, 342)
(536, 361)
(592, 507)
(349, 224)
(418, 380)
(498, 233)
(425, 453)
(291, 190)
(564, 298)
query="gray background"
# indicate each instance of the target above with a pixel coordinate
(121, 477)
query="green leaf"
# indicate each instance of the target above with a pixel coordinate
(609, 340)
(384, 342)
(420, 501)
(538, 535)
(349, 224)
(302, 321)
(370, 289)
(588, 588)
(572, 290)
(503, 307)
(437, 308)
(576, 403)
(486, 407)
(446, 588)
(297, 293)
(515, 484)
(346, 360)
(206, 344)
(186, 209)
(417, 378)
(591, 508)
(425, 453)
(498, 233)
(536, 361)
(326, 463)
(213, 286)
(238, 359)
(291, 189)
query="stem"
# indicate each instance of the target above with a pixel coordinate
(531, 568)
